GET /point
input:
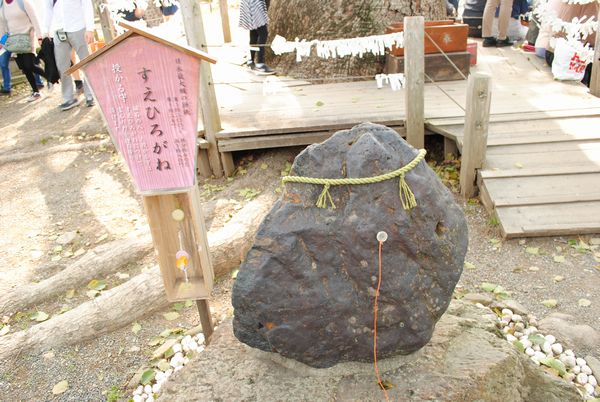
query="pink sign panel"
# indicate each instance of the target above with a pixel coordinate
(148, 93)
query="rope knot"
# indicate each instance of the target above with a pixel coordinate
(407, 197)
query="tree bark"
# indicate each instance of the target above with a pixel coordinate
(317, 19)
(138, 296)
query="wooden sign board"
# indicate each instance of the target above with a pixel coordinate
(147, 89)
(449, 36)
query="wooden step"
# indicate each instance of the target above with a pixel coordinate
(550, 219)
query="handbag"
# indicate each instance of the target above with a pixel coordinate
(18, 43)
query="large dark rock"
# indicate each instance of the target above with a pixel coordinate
(307, 287)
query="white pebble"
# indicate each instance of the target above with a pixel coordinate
(150, 398)
(557, 348)
(547, 348)
(569, 377)
(589, 389)
(193, 346)
(506, 319)
(137, 398)
(581, 378)
(511, 338)
(186, 339)
(159, 375)
(506, 330)
(536, 347)
(529, 351)
(519, 327)
(535, 361)
(148, 389)
(156, 388)
(518, 334)
(517, 318)
(576, 370)
(176, 348)
(139, 390)
(176, 360)
(506, 311)
(200, 339)
(586, 370)
(530, 330)
(592, 380)
(581, 362)
(539, 356)
(144, 397)
(569, 352)
(526, 343)
(568, 361)
(178, 368)
(550, 338)
(168, 373)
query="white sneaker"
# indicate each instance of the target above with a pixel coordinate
(34, 96)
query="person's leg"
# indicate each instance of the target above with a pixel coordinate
(261, 40)
(504, 18)
(488, 18)
(5, 66)
(253, 41)
(62, 56)
(76, 75)
(26, 61)
(78, 42)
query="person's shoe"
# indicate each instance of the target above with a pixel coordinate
(5, 92)
(39, 86)
(68, 105)
(504, 42)
(262, 69)
(50, 87)
(89, 102)
(34, 96)
(490, 41)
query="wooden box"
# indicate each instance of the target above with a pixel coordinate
(437, 67)
(448, 35)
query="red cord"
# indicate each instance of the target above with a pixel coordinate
(375, 310)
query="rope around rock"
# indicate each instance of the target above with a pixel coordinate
(407, 197)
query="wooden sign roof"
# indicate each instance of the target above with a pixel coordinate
(133, 30)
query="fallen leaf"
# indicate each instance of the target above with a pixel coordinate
(469, 265)
(157, 340)
(96, 284)
(147, 377)
(488, 287)
(519, 165)
(584, 303)
(169, 352)
(559, 258)
(319, 104)
(555, 364)
(4, 330)
(520, 347)
(384, 384)
(178, 306)
(79, 252)
(38, 316)
(558, 278)
(136, 327)
(264, 166)
(189, 303)
(534, 268)
(522, 242)
(532, 250)
(537, 339)
(234, 274)
(163, 365)
(170, 316)
(550, 303)
(70, 294)
(60, 387)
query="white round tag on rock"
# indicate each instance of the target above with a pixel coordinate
(382, 236)
(178, 215)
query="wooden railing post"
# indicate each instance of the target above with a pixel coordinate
(595, 78)
(477, 119)
(223, 8)
(194, 31)
(414, 72)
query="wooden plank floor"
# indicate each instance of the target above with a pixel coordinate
(542, 169)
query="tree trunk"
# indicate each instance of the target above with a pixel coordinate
(317, 19)
(96, 263)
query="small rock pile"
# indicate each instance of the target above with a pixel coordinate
(179, 355)
(544, 350)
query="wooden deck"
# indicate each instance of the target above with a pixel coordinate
(542, 170)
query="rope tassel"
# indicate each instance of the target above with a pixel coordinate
(407, 197)
(322, 200)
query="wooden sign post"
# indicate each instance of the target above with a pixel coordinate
(147, 89)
